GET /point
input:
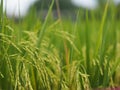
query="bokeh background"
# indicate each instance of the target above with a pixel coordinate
(14, 8)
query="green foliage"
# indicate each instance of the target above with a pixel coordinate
(60, 54)
(44, 4)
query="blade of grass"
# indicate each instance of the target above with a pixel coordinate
(74, 33)
(98, 44)
(2, 16)
(100, 33)
(42, 31)
(87, 33)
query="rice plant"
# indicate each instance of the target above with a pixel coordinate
(60, 54)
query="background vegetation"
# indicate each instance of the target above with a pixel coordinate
(60, 54)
